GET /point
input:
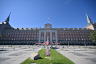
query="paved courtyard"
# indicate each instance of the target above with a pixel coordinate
(79, 54)
(17, 54)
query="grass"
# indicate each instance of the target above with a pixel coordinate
(28, 61)
(54, 58)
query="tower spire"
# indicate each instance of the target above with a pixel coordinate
(89, 19)
(8, 18)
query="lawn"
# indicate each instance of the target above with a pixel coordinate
(54, 58)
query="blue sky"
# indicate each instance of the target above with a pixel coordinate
(35, 13)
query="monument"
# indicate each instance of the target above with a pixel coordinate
(47, 52)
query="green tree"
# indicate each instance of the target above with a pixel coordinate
(93, 36)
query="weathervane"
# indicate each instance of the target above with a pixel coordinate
(49, 19)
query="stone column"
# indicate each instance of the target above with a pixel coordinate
(51, 37)
(44, 36)
(56, 37)
(39, 36)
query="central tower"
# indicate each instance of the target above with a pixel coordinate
(48, 25)
(48, 33)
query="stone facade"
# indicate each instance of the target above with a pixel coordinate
(67, 36)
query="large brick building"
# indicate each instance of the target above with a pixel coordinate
(71, 36)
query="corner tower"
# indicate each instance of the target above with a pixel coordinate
(89, 23)
(5, 24)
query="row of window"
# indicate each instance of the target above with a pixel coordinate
(74, 38)
(18, 38)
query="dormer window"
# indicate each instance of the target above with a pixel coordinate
(4, 22)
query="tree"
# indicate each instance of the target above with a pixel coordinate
(93, 36)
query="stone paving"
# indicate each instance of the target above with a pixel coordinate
(79, 54)
(17, 54)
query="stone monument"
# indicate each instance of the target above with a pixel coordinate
(47, 52)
